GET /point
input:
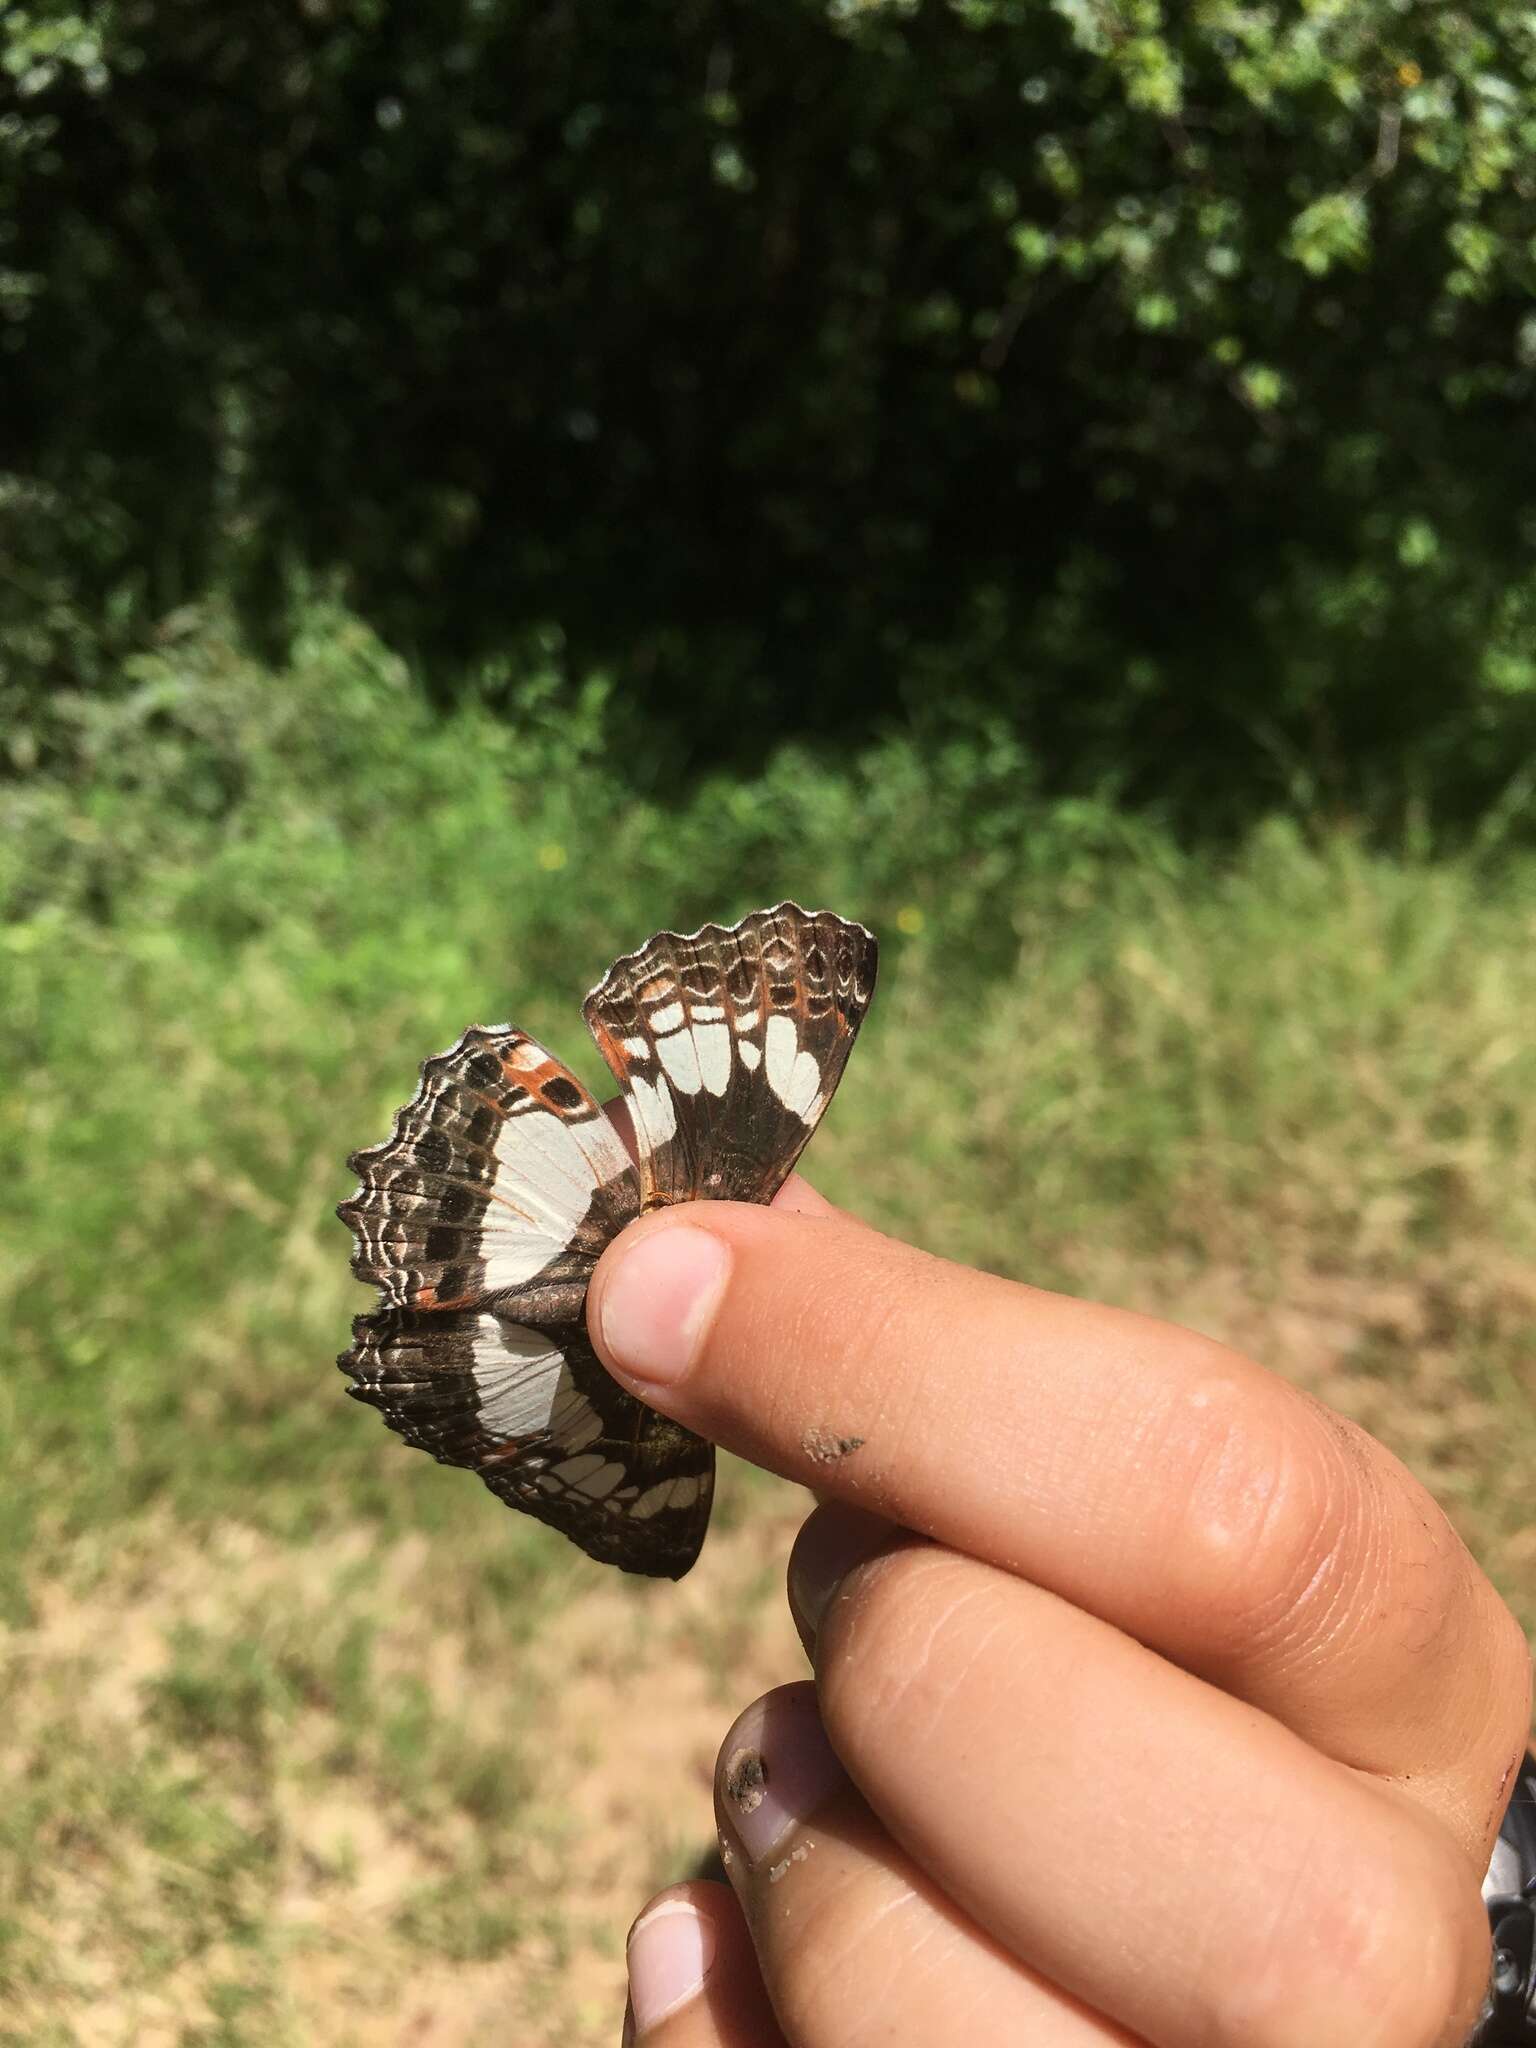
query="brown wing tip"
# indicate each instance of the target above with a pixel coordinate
(627, 962)
(363, 1161)
(430, 1069)
(350, 1213)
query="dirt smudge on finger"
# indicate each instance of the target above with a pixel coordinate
(826, 1447)
(746, 1780)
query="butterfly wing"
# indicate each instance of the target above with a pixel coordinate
(480, 1221)
(728, 1045)
(534, 1413)
(502, 1176)
(481, 1218)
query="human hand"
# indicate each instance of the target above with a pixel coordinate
(1161, 1705)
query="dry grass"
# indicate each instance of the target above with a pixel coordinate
(275, 1792)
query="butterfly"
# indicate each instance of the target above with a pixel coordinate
(481, 1218)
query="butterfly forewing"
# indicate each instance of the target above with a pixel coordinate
(728, 1045)
(502, 1173)
(481, 1218)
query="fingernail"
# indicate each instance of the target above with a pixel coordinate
(833, 1541)
(776, 1768)
(657, 1307)
(671, 1949)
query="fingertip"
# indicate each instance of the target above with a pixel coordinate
(669, 1954)
(753, 1327)
(653, 1298)
(798, 1198)
(831, 1544)
(694, 1980)
(775, 1769)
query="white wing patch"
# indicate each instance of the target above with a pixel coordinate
(602, 1148)
(681, 1060)
(792, 1075)
(522, 1383)
(667, 1493)
(654, 1112)
(712, 1042)
(546, 1170)
(591, 1474)
(698, 1055)
(573, 1419)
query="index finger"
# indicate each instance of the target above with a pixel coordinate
(1150, 1475)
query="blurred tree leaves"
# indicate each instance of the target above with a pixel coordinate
(1160, 376)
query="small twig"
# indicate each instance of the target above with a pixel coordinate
(1389, 128)
(1003, 335)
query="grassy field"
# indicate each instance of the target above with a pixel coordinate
(308, 1740)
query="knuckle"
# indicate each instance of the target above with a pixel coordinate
(1277, 1519)
(1510, 1673)
(1259, 1515)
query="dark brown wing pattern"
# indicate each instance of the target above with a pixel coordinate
(534, 1413)
(728, 1045)
(502, 1176)
(481, 1218)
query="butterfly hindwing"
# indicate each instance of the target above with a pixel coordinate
(536, 1416)
(482, 1216)
(728, 1044)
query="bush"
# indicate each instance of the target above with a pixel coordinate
(1156, 381)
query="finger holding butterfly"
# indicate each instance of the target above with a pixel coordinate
(1195, 1710)
(1145, 1473)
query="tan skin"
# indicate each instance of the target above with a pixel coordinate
(1164, 1705)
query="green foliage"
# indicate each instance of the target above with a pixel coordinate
(1089, 362)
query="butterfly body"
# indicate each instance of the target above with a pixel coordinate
(481, 1219)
